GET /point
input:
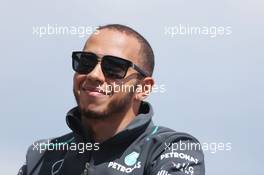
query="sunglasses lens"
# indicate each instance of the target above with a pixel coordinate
(83, 63)
(114, 68)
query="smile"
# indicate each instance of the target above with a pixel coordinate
(95, 91)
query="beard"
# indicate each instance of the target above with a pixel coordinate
(116, 106)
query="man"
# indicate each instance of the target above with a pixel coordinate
(112, 130)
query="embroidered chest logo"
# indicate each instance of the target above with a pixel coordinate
(131, 159)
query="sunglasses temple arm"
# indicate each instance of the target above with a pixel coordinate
(139, 70)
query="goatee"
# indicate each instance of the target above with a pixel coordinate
(114, 107)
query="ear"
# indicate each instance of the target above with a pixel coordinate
(144, 88)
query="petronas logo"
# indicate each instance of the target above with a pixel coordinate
(131, 159)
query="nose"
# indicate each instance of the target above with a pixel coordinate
(96, 75)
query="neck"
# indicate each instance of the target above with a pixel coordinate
(104, 129)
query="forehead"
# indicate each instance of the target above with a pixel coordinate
(113, 42)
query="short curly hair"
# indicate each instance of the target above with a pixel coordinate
(147, 62)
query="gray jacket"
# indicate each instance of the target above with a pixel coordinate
(140, 149)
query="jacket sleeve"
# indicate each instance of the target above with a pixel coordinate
(22, 170)
(33, 156)
(178, 155)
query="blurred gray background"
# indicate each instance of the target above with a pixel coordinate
(214, 86)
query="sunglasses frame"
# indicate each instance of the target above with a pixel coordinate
(129, 63)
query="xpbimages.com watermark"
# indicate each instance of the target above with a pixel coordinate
(115, 88)
(191, 30)
(64, 146)
(63, 30)
(212, 147)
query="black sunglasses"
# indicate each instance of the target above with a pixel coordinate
(112, 67)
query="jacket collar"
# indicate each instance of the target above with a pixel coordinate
(140, 123)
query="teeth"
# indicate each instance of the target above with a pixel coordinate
(95, 90)
(99, 89)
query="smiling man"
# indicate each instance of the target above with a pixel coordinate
(112, 128)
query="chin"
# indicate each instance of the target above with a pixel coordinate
(94, 110)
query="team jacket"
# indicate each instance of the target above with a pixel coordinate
(140, 149)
